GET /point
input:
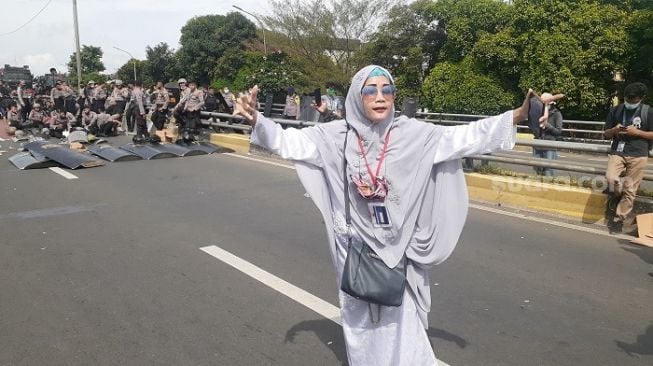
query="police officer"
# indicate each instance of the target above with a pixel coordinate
(88, 120)
(57, 95)
(99, 98)
(138, 110)
(192, 105)
(37, 116)
(179, 108)
(119, 98)
(160, 100)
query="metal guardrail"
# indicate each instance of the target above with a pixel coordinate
(572, 129)
(569, 131)
(586, 168)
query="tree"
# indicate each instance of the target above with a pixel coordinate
(548, 45)
(158, 62)
(565, 46)
(461, 88)
(465, 22)
(640, 33)
(334, 28)
(273, 73)
(406, 44)
(126, 71)
(91, 60)
(205, 39)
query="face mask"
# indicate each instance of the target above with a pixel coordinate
(631, 106)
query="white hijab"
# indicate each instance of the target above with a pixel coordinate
(427, 203)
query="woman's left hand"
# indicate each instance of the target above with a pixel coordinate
(245, 106)
(521, 113)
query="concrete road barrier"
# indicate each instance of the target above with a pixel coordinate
(572, 202)
(237, 142)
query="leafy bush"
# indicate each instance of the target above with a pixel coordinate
(460, 88)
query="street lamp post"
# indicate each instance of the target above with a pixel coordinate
(130, 55)
(265, 47)
(78, 55)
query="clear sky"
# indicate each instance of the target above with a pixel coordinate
(49, 40)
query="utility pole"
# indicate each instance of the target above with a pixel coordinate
(78, 53)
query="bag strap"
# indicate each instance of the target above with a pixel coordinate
(345, 181)
(644, 114)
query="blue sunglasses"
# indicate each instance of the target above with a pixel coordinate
(370, 90)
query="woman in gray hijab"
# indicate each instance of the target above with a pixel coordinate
(412, 169)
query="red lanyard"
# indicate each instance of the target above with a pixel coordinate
(382, 156)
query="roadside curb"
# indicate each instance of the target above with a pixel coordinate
(237, 142)
(577, 203)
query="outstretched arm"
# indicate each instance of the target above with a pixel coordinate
(291, 143)
(486, 135)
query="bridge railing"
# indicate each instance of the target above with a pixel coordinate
(227, 121)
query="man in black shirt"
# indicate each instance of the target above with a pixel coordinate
(629, 125)
(210, 100)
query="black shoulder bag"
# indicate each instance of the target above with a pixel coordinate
(365, 276)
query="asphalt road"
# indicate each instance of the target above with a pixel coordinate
(107, 269)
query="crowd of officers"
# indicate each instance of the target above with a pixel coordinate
(107, 109)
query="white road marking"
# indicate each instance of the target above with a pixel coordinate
(295, 293)
(49, 212)
(261, 161)
(551, 222)
(64, 173)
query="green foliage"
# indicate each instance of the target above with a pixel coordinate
(640, 33)
(242, 70)
(95, 76)
(126, 72)
(568, 46)
(159, 60)
(409, 80)
(274, 72)
(460, 88)
(405, 31)
(205, 39)
(229, 64)
(498, 54)
(466, 21)
(91, 62)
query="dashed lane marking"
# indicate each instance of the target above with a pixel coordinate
(295, 293)
(64, 173)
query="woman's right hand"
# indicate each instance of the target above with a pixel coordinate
(322, 108)
(245, 105)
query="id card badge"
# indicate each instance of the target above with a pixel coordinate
(621, 146)
(380, 215)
